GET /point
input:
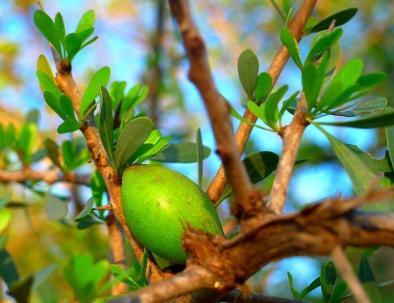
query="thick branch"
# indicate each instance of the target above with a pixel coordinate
(200, 74)
(297, 25)
(219, 264)
(48, 176)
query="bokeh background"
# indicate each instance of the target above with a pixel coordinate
(138, 40)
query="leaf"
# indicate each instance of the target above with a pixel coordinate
(312, 286)
(44, 67)
(248, 69)
(340, 18)
(99, 79)
(59, 23)
(48, 29)
(258, 166)
(200, 157)
(8, 271)
(33, 116)
(390, 139)
(56, 209)
(367, 107)
(106, 123)
(26, 141)
(73, 43)
(68, 126)
(42, 275)
(339, 291)
(86, 22)
(294, 292)
(343, 80)
(263, 86)
(271, 112)
(47, 84)
(88, 221)
(131, 137)
(312, 82)
(288, 40)
(86, 210)
(368, 280)
(321, 43)
(184, 152)
(359, 172)
(380, 119)
(328, 276)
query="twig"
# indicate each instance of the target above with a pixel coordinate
(200, 74)
(292, 135)
(48, 176)
(296, 25)
(347, 273)
(67, 85)
(235, 296)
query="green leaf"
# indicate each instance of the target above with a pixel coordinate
(258, 166)
(26, 141)
(56, 209)
(47, 84)
(68, 126)
(263, 86)
(340, 18)
(288, 40)
(131, 137)
(312, 286)
(59, 23)
(99, 79)
(8, 271)
(390, 139)
(328, 276)
(312, 82)
(106, 122)
(86, 22)
(184, 152)
(270, 107)
(294, 292)
(371, 79)
(322, 42)
(367, 107)
(343, 80)
(200, 156)
(44, 66)
(339, 291)
(248, 69)
(86, 210)
(73, 43)
(359, 172)
(368, 280)
(48, 29)
(33, 116)
(377, 120)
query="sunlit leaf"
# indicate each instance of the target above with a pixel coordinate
(48, 29)
(288, 40)
(263, 86)
(99, 79)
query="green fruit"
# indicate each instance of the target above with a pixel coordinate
(159, 204)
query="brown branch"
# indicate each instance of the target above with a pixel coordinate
(236, 296)
(296, 25)
(222, 265)
(347, 273)
(67, 85)
(200, 74)
(48, 176)
(292, 135)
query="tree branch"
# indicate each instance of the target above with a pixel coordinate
(296, 25)
(67, 85)
(48, 176)
(292, 135)
(221, 265)
(200, 74)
